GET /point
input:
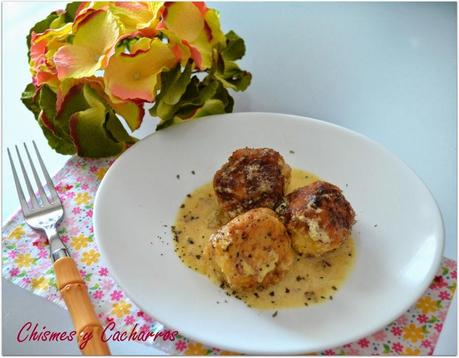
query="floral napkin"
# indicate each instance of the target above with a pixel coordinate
(26, 263)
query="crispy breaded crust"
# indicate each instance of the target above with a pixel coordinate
(252, 250)
(251, 178)
(318, 217)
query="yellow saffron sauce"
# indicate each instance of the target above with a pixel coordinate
(309, 281)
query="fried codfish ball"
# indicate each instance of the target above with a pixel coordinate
(252, 178)
(252, 250)
(318, 218)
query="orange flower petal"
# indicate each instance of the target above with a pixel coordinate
(135, 76)
(96, 34)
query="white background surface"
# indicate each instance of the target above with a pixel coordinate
(386, 70)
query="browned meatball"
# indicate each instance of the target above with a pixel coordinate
(252, 250)
(318, 218)
(252, 178)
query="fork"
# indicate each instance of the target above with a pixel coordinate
(44, 214)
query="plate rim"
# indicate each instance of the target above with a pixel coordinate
(190, 335)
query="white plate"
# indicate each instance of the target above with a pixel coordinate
(399, 232)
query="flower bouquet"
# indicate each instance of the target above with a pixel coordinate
(95, 66)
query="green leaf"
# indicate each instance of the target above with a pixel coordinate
(225, 69)
(70, 10)
(28, 97)
(386, 348)
(208, 88)
(211, 106)
(233, 77)
(74, 101)
(201, 98)
(189, 102)
(218, 62)
(433, 320)
(166, 110)
(43, 105)
(223, 95)
(235, 47)
(89, 136)
(56, 132)
(60, 145)
(94, 130)
(47, 101)
(116, 130)
(184, 97)
(175, 84)
(81, 105)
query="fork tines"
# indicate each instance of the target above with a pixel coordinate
(42, 201)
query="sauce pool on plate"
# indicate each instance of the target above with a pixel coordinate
(309, 281)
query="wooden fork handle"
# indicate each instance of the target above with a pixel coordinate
(75, 294)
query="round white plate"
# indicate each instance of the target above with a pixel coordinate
(398, 234)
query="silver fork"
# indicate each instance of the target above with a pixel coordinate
(43, 215)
